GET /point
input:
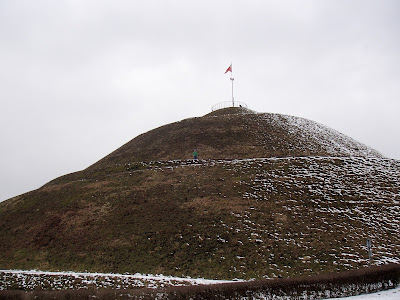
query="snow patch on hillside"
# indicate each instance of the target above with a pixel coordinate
(315, 136)
(357, 196)
(32, 279)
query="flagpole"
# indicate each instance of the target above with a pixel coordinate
(232, 79)
(233, 99)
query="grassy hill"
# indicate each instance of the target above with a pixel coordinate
(237, 133)
(272, 196)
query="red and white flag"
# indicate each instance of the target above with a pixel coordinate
(229, 69)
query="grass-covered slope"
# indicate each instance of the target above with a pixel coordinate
(214, 218)
(218, 219)
(229, 134)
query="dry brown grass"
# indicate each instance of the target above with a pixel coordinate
(134, 211)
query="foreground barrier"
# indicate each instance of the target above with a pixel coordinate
(343, 284)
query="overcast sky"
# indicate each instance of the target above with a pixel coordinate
(80, 78)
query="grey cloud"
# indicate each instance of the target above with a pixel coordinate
(80, 78)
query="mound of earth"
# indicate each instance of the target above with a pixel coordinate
(237, 133)
(272, 195)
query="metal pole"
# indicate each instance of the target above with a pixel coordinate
(233, 99)
(369, 246)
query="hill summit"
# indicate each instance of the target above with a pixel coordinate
(238, 133)
(271, 195)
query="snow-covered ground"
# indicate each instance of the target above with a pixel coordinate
(393, 294)
(30, 280)
(72, 280)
